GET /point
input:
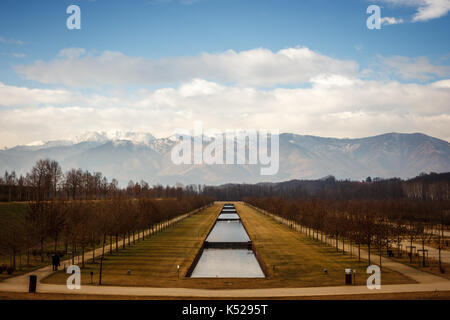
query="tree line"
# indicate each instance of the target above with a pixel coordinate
(432, 186)
(46, 180)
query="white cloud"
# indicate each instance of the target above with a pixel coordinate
(257, 67)
(18, 55)
(426, 9)
(225, 91)
(413, 68)
(11, 41)
(72, 53)
(12, 96)
(333, 106)
(441, 84)
(432, 9)
(391, 20)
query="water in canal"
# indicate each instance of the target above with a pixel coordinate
(228, 216)
(227, 263)
(233, 258)
(228, 231)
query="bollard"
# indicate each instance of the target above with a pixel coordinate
(33, 282)
(348, 276)
(92, 277)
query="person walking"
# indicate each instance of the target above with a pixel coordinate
(54, 262)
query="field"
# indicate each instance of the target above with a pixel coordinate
(291, 259)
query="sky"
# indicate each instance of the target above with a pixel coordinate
(306, 66)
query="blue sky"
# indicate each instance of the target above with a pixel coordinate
(411, 52)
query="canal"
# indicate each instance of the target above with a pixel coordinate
(227, 251)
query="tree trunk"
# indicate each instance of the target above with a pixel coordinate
(101, 260)
(42, 250)
(82, 256)
(380, 252)
(359, 251)
(56, 243)
(410, 250)
(423, 252)
(441, 238)
(14, 259)
(73, 254)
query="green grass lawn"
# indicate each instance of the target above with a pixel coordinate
(298, 261)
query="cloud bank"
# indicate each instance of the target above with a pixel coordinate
(323, 95)
(333, 106)
(257, 67)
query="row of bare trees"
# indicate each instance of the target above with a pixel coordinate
(380, 224)
(69, 227)
(46, 181)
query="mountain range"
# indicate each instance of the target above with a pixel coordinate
(135, 156)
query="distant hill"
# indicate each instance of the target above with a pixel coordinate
(135, 156)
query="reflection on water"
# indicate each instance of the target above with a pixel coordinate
(223, 216)
(227, 263)
(228, 231)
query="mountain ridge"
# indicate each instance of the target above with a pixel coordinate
(135, 156)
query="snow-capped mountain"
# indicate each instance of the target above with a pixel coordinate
(144, 138)
(135, 156)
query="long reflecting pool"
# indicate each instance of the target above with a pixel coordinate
(228, 216)
(228, 231)
(227, 263)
